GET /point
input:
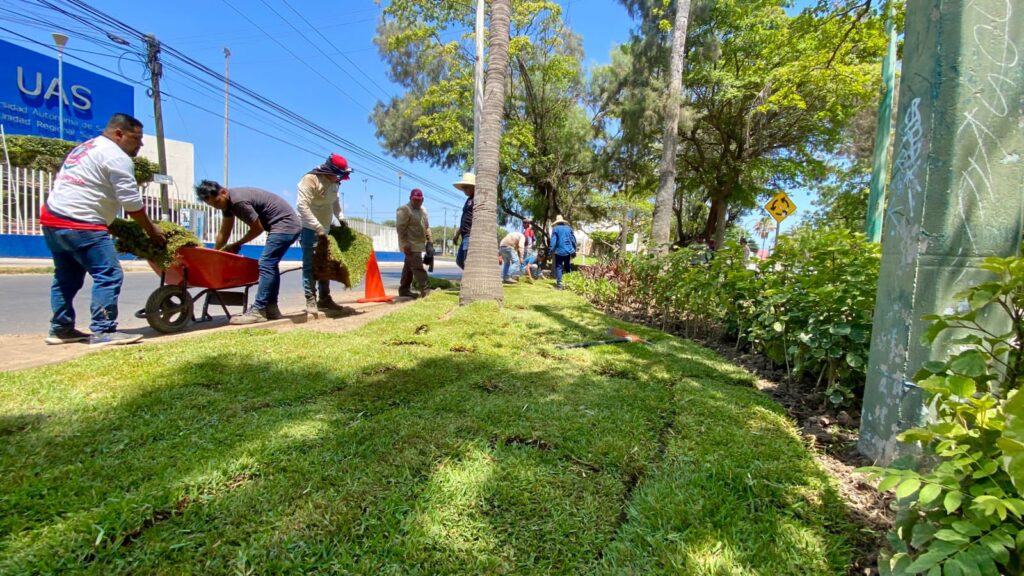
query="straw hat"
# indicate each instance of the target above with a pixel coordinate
(558, 220)
(468, 179)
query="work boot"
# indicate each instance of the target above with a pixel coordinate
(68, 336)
(327, 303)
(425, 292)
(273, 312)
(406, 293)
(253, 316)
(311, 304)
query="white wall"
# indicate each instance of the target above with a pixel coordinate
(180, 167)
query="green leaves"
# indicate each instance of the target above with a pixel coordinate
(977, 437)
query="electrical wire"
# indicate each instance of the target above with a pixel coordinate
(95, 19)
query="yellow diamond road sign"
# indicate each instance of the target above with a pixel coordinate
(780, 206)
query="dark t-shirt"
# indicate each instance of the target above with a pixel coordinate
(466, 224)
(251, 204)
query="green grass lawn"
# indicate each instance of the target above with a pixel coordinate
(438, 440)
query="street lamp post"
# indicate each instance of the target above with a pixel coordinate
(399, 187)
(60, 40)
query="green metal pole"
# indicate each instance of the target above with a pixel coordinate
(883, 134)
(955, 196)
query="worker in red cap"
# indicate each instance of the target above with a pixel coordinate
(413, 238)
(317, 205)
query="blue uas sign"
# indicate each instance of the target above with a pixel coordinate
(30, 94)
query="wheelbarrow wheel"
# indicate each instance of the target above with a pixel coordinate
(169, 309)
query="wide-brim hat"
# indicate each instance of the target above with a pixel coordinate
(559, 220)
(468, 179)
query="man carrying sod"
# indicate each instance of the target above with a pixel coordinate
(413, 237)
(96, 179)
(318, 204)
(263, 212)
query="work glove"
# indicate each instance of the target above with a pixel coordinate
(428, 260)
(342, 223)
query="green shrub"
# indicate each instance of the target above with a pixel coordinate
(808, 307)
(964, 516)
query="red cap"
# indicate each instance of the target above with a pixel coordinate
(336, 165)
(416, 194)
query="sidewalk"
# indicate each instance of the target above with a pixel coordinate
(29, 351)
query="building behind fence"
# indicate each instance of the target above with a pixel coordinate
(23, 192)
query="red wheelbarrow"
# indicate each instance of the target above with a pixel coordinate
(169, 308)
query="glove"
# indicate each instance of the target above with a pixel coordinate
(342, 223)
(428, 259)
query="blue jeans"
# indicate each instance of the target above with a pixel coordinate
(76, 252)
(270, 277)
(509, 259)
(562, 264)
(460, 256)
(308, 239)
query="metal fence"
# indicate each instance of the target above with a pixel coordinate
(23, 192)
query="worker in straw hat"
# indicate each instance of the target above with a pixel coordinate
(317, 202)
(468, 187)
(563, 244)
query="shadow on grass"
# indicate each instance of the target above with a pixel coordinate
(386, 457)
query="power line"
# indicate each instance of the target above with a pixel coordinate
(336, 49)
(94, 18)
(296, 56)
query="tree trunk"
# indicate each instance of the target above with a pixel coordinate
(666, 185)
(624, 233)
(482, 280)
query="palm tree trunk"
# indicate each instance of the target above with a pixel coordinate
(482, 280)
(666, 185)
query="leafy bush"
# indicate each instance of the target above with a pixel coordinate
(964, 516)
(808, 307)
(48, 154)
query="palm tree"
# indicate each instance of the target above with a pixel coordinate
(667, 183)
(764, 228)
(482, 280)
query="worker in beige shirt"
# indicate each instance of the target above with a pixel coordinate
(317, 205)
(413, 237)
(511, 250)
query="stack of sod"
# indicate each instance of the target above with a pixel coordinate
(342, 256)
(132, 239)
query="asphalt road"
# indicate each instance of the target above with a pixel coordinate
(25, 299)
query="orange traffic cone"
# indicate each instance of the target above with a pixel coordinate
(374, 285)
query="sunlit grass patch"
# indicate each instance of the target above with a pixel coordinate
(437, 439)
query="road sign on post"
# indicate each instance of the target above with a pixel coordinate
(780, 206)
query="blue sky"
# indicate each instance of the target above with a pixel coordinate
(202, 29)
(279, 64)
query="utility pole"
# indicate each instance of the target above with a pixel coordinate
(444, 233)
(60, 40)
(370, 213)
(399, 188)
(478, 83)
(954, 199)
(227, 57)
(883, 131)
(156, 70)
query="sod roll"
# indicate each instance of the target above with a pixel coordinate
(131, 239)
(342, 256)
